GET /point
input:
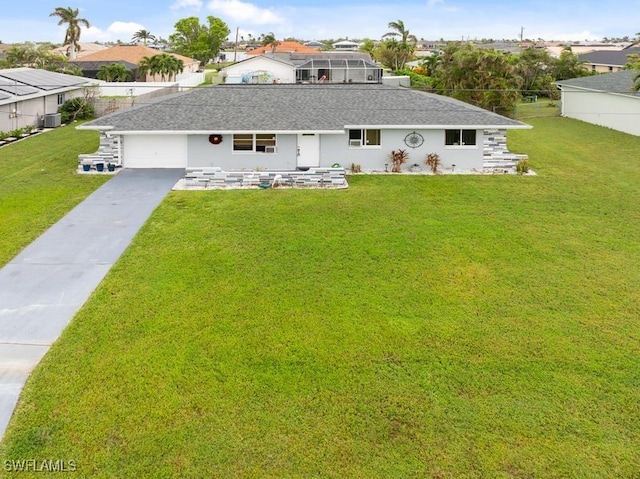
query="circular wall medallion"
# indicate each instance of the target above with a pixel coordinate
(413, 140)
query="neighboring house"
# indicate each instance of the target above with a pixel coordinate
(84, 50)
(314, 44)
(29, 96)
(129, 56)
(317, 67)
(605, 100)
(346, 46)
(260, 69)
(282, 47)
(289, 127)
(604, 61)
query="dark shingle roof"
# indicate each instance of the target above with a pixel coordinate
(609, 58)
(300, 108)
(616, 82)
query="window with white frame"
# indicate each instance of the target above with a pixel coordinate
(60, 98)
(254, 142)
(362, 138)
(460, 137)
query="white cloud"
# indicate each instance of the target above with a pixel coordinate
(244, 12)
(116, 31)
(186, 4)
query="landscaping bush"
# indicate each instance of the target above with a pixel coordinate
(76, 109)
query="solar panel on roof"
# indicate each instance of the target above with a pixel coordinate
(4, 96)
(42, 79)
(16, 88)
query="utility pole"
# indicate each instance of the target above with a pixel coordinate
(521, 34)
(235, 46)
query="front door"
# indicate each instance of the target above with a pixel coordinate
(308, 150)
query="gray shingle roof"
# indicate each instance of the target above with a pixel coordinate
(616, 82)
(287, 107)
(603, 57)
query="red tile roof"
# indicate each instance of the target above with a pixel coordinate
(130, 53)
(283, 47)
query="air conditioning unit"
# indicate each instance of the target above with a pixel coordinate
(355, 142)
(52, 120)
(269, 149)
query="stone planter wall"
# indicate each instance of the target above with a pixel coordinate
(216, 178)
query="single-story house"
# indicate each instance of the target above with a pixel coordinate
(317, 67)
(289, 127)
(606, 100)
(29, 96)
(129, 56)
(606, 61)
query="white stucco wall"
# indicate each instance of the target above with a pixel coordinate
(203, 153)
(155, 151)
(29, 111)
(278, 71)
(619, 112)
(334, 148)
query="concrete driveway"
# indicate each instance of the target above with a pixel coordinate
(43, 287)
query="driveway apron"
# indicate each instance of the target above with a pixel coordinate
(43, 287)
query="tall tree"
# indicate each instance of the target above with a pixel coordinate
(398, 29)
(484, 78)
(396, 53)
(202, 42)
(69, 16)
(144, 36)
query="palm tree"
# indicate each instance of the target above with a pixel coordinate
(167, 66)
(403, 49)
(115, 72)
(69, 16)
(402, 32)
(144, 35)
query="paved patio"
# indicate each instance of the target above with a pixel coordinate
(43, 287)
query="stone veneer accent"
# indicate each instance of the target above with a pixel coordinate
(496, 154)
(216, 178)
(108, 152)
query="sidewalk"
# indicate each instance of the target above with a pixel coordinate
(43, 287)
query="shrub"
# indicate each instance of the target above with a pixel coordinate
(355, 168)
(398, 158)
(433, 161)
(418, 81)
(76, 109)
(522, 167)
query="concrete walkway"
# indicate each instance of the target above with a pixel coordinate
(43, 287)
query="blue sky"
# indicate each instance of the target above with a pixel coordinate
(322, 19)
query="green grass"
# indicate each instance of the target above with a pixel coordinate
(414, 326)
(38, 184)
(543, 107)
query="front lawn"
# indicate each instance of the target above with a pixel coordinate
(38, 184)
(411, 326)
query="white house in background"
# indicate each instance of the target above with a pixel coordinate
(260, 69)
(294, 67)
(294, 126)
(32, 97)
(346, 46)
(606, 100)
